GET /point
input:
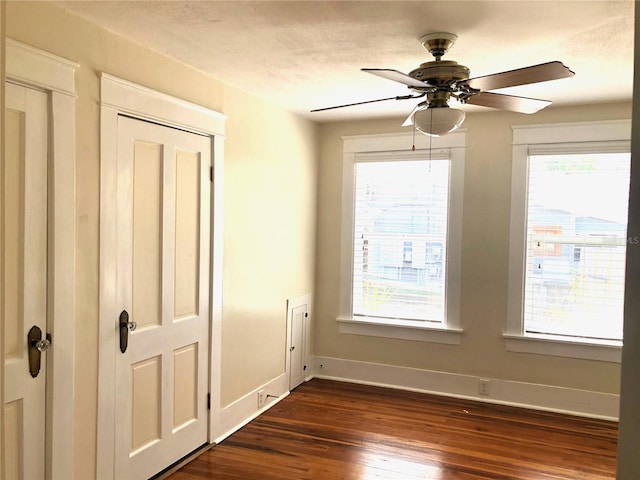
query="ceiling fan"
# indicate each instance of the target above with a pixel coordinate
(439, 80)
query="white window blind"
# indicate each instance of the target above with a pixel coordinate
(576, 243)
(400, 238)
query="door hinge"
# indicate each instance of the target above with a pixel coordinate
(208, 401)
(211, 174)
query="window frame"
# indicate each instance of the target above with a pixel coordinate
(577, 137)
(452, 145)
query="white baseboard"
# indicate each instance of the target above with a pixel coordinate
(237, 414)
(505, 392)
(529, 395)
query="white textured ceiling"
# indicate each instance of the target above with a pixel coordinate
(303, 55)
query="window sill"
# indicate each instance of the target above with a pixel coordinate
(400, 329)
(572, 348)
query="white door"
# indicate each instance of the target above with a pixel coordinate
(24, 260)
(163, 210)
(297, 350)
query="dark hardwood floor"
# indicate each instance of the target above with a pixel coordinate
(333, 430)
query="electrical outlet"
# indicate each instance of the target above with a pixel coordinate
(484, 387)
(262, 397)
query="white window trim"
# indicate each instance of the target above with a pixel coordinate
(450, 333)
(611, 135)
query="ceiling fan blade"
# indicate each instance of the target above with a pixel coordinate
(396, 76)
(402, 97)
(521, 76)
(508, 102)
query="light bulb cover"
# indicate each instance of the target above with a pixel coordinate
(437, 121)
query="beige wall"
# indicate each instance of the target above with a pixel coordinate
(270, 191)
(485, 237)
(269, 237)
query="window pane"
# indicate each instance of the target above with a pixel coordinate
(400, 233)
(576, 244)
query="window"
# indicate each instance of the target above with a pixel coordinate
(574, 280)
(400, 253)
(400, 233)
(568, 240)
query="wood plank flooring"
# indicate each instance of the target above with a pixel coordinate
(329, 430)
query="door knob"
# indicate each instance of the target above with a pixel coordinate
(36, 345)
(43, 344)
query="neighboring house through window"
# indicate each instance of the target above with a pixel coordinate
(570, 189)
(400, 254)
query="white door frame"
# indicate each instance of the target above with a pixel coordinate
(3, 11)
(122, 97)
(31, 67)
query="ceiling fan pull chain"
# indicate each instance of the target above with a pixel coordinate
(413, 147)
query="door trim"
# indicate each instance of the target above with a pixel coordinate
(55, 75)
(121, 97)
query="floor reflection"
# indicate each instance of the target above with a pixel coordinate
(377, 466)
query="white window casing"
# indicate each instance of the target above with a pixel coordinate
(552, 139)
(397, 147)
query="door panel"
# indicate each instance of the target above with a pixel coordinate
(187, 234)
(297, 353)
(162, 281)
(147, 235)
(13, 439)
(185, 385)
(24, 205)
(146, 379)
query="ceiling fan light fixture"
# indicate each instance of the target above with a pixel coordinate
(438, 121)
